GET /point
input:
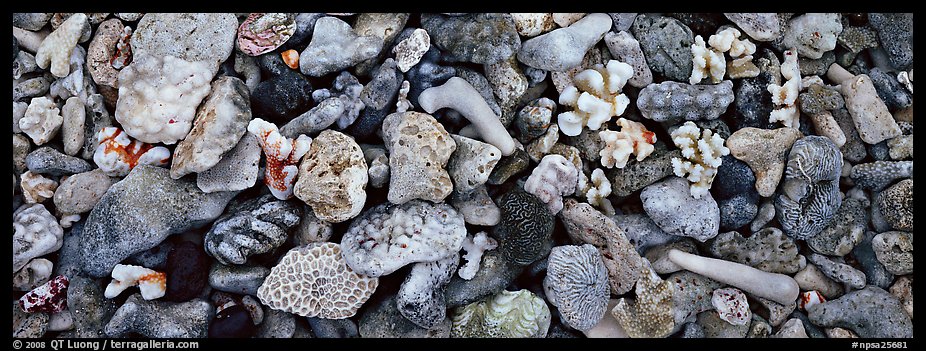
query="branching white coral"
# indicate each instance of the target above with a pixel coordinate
(597, 194)
(152, 284)
(117, 154)
(728, 40)
(553, 178)
(595, 97)
(785, 96)
(475, 246)
(56, 48)
(633, 138)
(37, 188)
(703, 156)
(283, 155)
(706, 63)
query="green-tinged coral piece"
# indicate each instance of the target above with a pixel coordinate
(510, 314)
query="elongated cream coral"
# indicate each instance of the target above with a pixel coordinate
(57, 47)
(703, 156)
(152, 284)
(117, 154)
(785, 96)
(595, 97)
(633, 138)
(283, 155)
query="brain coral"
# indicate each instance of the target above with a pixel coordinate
(525, 227)
(519, 314)
(577, 283)
(315, 281)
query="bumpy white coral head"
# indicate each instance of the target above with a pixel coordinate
(158, 97)
(36, 188)
(595, 97)
(732, 306)
(723, 40)
(35, 233)
(117, 154)
(706, 63)
(789, 68)
(475, 246)
(153, 284)
(633, 138)
(702, 156)
(553, 178)
(510, 314)
(315, 281)
(283, 155)
(57, 47)
(42, 120)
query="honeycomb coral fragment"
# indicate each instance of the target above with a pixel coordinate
(633, 138)
(577, 284)
(518, 314)
(595, 97)
(388, 237)
(702, 156)
(315, 281)
(651, 316)
(158, 97)
(117, 154)
(283, 155)
(152, 284)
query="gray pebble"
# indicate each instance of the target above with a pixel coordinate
(206, 37)
(564, 48)
(23, 64)
(686, 102)
(335, 46)
(28, 325)
(31, 21)
(383, 320)
(154, 258)
(237, 279)
(812, 331)
(753, 101)
(89, 308)
(838, 271)
(870, 313)
(379, 96)
(46, 160)
(880, 174)
(692, 331)
(481, 38)
(666, 42)
(768, 250)
(622, 21)
(21, 148)
(79, 193)
(642, 232)
(98, 117)
(845, 231)
(157, 319)
(819, 98)
(692, 295)
(816, 67)
(895, 32)
(276, 325)
(670, 204)
(509, 166)
(32, 87)
(333, 328)
(640, 174)
(494, 274)
(714, 327)
(854, 149)
(889, 89)
(874, 270)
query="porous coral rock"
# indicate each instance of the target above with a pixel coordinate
(117, 154)
(785, 96)
(282, 156)
(625, 48)
(50, 297)
(768, 249)
(471, 163)
(33, 274)
(315, 281)
(895, 251)
(652, 313)
(251, 228)
(158, 97)
(703, 156)
(764, 151)
(151, 283)
(518, 314)
(564, 48)
(103, 52)
(261, 33)
(812, 34)
(732, 306)
(878, 175)
(707, 63)
(42, 120)
(577, 284)
(533, 24)
(333, 177)
(836, 269)
(388, 237)
(73, 125)
(409, 51)
(672, 102)
(347, 89)
(56, 48)
(895, 204)
(475, 246)
(419, 148)
(553, 178)
(595, 96)
(36, 188)
(759, 26)
(810, 194)
(870, 312)
(633, 138)
(36, 233)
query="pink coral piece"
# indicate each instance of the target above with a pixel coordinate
(261, 33)
(51, 297)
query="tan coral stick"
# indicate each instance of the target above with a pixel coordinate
(459, 95)
(773, 286)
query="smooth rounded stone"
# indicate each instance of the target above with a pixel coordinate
(769, 250)
(509, 166)
(237, 170)
(895, 32)
(875, 273)
(534, 119)
(666, 42)
(379, 97)
(221, 121)
(637, 175)
(271, 66)
(735, 193)
(471, 163)
(714, 327)
(810, 193)
(736, 212)
(333, 328)
(625, 48)
(156, 319)
(692, 295)
(46, 160)
(28, 325)
(232, 322)
(622, 21)
(764, 151)
(237, 279)
(419, 148)
(793, 328)
(672, 102)
(758, 26)
(812, 279)
(870, 313)
(838, 271)
(33, 21)
(495, 273)
(872, 119)
(333, 177)
(525, 229)
(476, 207)
(671, 206)
(79, 193)
(139, 212)
(383, 320)
(61, 321)
(336, 46)
(812, 34)
(753, 101)
(889, 89)
(642, 232)
(895, 251)
(32, 87)
(281, 98)
(254, 227)
(276, 325)
(564, 48)
(878, 175)
(208, 37)
(845, 231)
(481, 38)
(72, 129)
(896, 205)
(187, 272)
